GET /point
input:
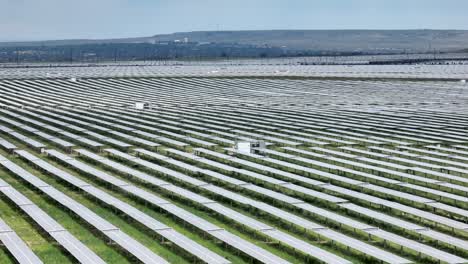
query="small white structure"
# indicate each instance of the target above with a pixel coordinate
(463, 81)
(73, 79)
(251, 147)
(258, 147)
(141, 106)
(243, 147)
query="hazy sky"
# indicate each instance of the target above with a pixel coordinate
(65, 19)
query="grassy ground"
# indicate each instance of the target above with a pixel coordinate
(37, 240)
(108, 253)
(185, 228)
(235, 229)
(50, 253)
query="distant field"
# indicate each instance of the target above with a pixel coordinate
(354, 169)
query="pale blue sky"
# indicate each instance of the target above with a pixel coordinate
(65, 19)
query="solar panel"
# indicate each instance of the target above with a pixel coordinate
(339, 153)
(249, 249)
(76, 248)
(419, 247)
(358, 245)
(138, 215)
(7, 145)
(208, 203)
(138, 250)
(304, 247)
(17, 247)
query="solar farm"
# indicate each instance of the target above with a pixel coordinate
(144, 165)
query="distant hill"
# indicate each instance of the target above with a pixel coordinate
(336, 40)
(340, 40)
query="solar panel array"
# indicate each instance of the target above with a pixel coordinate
(454, 71)
(354, 171)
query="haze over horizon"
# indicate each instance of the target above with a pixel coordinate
(28, 20)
